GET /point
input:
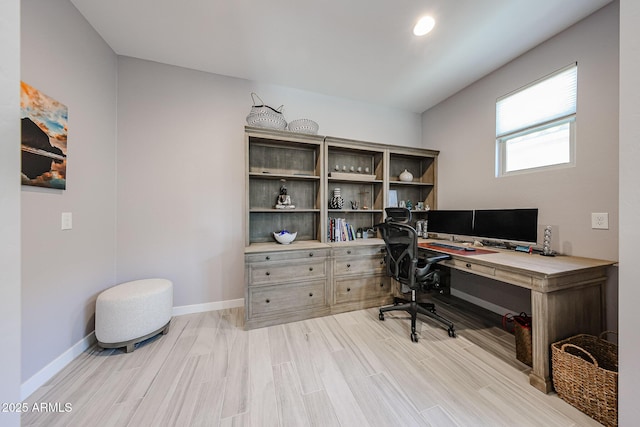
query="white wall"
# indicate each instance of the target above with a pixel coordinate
(181, 169)
(463, 128)
(629, 391)
(63, 271)
(10, 208)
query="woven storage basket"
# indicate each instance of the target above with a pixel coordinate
(520, 326)
(585, 374)
(304, 126)
(522, 332)
(264, 116)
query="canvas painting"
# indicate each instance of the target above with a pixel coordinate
(44, 139)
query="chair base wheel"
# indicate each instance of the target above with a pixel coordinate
(414, 337)
(381, 316)
(452, 332)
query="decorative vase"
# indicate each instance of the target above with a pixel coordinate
(546, 247)
(336, 202)
(406, 176)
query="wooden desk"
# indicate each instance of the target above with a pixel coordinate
(567, 295)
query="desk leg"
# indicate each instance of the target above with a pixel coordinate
(558, 315)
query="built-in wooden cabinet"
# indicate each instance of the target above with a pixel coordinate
(357, 170)
(275, 160)
(285, 285)
(359, 276)
(315, 276)
(422, 165)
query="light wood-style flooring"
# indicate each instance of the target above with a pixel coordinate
(346, 370)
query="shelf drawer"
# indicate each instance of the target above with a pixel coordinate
(465, 265)
(265, 272)
(365, 265)
(350, 251)
(268, 300)
(286, 255)
(351, 290)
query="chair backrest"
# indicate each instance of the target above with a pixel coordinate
(401, 242)
(398, 215)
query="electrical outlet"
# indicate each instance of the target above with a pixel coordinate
(600, 221)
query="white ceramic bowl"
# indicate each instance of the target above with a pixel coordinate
(285, 237)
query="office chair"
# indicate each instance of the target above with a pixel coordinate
(404, 265)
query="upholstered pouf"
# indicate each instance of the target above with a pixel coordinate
(131, 312)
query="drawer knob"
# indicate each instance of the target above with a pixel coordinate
(348, 265)
(310, 268)
(310, 253)
(267, 273)
(349, 252)
(381, 262)
(310, 294)
(382, 285)
(268, 258)
(268, 301)
(468, 265)
(348, 289)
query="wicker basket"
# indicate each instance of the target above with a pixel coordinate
(520, 326)
(585, 374)
(304, 126)
(264, 116)
(522, 332)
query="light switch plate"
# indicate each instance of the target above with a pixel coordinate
(600, 221)
(67, 221)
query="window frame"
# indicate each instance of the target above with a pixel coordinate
(501, 140)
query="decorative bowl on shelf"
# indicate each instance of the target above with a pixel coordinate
(284, 237)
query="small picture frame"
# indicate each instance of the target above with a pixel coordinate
(393, 198)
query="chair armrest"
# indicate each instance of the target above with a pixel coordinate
(424, 271)
(437, 258)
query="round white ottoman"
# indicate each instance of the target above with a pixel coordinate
(131, 312)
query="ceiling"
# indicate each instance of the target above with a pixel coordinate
(358, 49)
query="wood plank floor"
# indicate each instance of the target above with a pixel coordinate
(348, 369)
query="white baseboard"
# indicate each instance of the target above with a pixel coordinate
(210, 306)
(45, 374)
(481, 303)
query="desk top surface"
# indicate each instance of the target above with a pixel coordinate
(531, 263)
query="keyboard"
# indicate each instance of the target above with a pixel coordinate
(445, 246)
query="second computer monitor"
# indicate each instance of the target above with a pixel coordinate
(511, 225)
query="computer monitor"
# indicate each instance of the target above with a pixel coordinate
(454, 222)
(509, 225)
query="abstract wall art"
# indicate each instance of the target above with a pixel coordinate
(44, 139)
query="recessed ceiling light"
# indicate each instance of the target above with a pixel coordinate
(424, 25)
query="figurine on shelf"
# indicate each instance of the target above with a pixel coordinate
(284, 200)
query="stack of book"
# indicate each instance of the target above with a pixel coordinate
(339, 230)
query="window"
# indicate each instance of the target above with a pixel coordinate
(535, 125)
